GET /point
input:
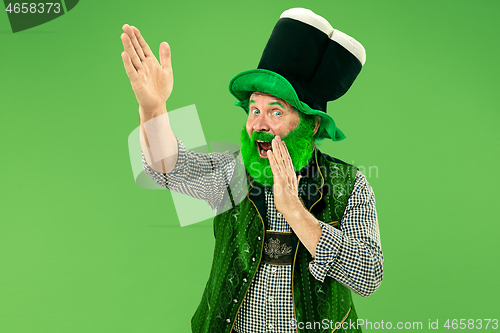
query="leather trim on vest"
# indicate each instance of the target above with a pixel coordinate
(298, 243)
(345, 317)
(260, 257)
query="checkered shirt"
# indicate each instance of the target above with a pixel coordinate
(352, 255)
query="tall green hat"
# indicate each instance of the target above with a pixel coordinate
(306, 63)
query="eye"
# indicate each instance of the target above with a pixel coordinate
(277, 113)
(255, 111)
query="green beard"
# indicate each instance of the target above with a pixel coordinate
(299, 144)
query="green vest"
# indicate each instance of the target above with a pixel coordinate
(239, 241)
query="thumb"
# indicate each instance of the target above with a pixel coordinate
(165, 56)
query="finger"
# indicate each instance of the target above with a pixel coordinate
(278, 181)
(144, 46)
(165, 57)
(288, 158)
(129, 67)
(272, 162)
(129, 48)
(131, 34)
(276, 143)
(288, 167)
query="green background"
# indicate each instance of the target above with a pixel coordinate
(84, 249)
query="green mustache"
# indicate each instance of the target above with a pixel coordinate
(262, 136)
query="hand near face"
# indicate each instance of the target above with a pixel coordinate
(285, 187)
(151, 81)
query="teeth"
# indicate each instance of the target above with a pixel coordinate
(263, 152)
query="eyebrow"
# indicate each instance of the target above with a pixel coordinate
(272, 103)
(277, 103)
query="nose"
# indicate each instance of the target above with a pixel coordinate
(261, 124)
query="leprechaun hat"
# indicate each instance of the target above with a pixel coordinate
(306, 63)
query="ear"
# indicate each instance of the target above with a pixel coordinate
(318, 122)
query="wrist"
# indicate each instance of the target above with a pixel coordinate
(148, 114)
(294, 209)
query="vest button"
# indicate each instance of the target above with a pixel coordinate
(228, 320)
(235, 300)
(245, 280)
(258, 238)
(253, 259)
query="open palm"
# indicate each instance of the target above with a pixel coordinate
(151, 81)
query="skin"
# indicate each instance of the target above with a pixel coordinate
(152, 83)
(272, 115)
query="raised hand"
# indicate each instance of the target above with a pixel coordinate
(285, 188)
(151, 81)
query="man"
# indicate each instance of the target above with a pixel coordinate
(296, 230)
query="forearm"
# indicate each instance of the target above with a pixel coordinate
(354, 262)
(158, 141)
(200, 176)
(352, 254)
(305, 225)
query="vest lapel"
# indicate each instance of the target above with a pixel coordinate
(312, 191)
(258, 197)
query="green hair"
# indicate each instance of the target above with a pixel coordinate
(311, 121)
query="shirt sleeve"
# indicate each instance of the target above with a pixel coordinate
(352, 255)
(198, 175)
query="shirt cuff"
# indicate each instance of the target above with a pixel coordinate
(181, 158)
(326, 251)
(162, 179)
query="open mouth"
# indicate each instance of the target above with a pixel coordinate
(263, 147)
